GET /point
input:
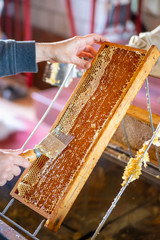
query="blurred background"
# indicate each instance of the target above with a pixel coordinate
(25, 97)
(54, 20)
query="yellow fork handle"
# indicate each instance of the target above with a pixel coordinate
(29, 155)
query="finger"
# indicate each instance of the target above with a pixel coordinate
(16, 170)
(85, 55)
(15, 152)
(19, 161)
(90, 50)
(3, 182)
(94, 38)
(8, 168)
(81, 63)
(10, 176)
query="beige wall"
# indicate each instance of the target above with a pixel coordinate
(151, 13)
(51, 15)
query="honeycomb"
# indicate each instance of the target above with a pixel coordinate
(134, 166)
(92, 106)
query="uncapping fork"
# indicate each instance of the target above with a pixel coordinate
(51, 146)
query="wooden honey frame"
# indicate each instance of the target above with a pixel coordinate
(57, 216)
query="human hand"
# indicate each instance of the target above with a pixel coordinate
(70, 51)
(10, 163)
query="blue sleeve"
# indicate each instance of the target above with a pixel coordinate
(16, 57)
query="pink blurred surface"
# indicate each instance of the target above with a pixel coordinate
(43, 98)
(41, 101)
(17, 139)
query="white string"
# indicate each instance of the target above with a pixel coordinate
(48, 109)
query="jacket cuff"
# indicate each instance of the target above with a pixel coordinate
(25, 60)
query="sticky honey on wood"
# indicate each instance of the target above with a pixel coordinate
(134, 166)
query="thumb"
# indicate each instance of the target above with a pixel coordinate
(82, 63)
(16, 152)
